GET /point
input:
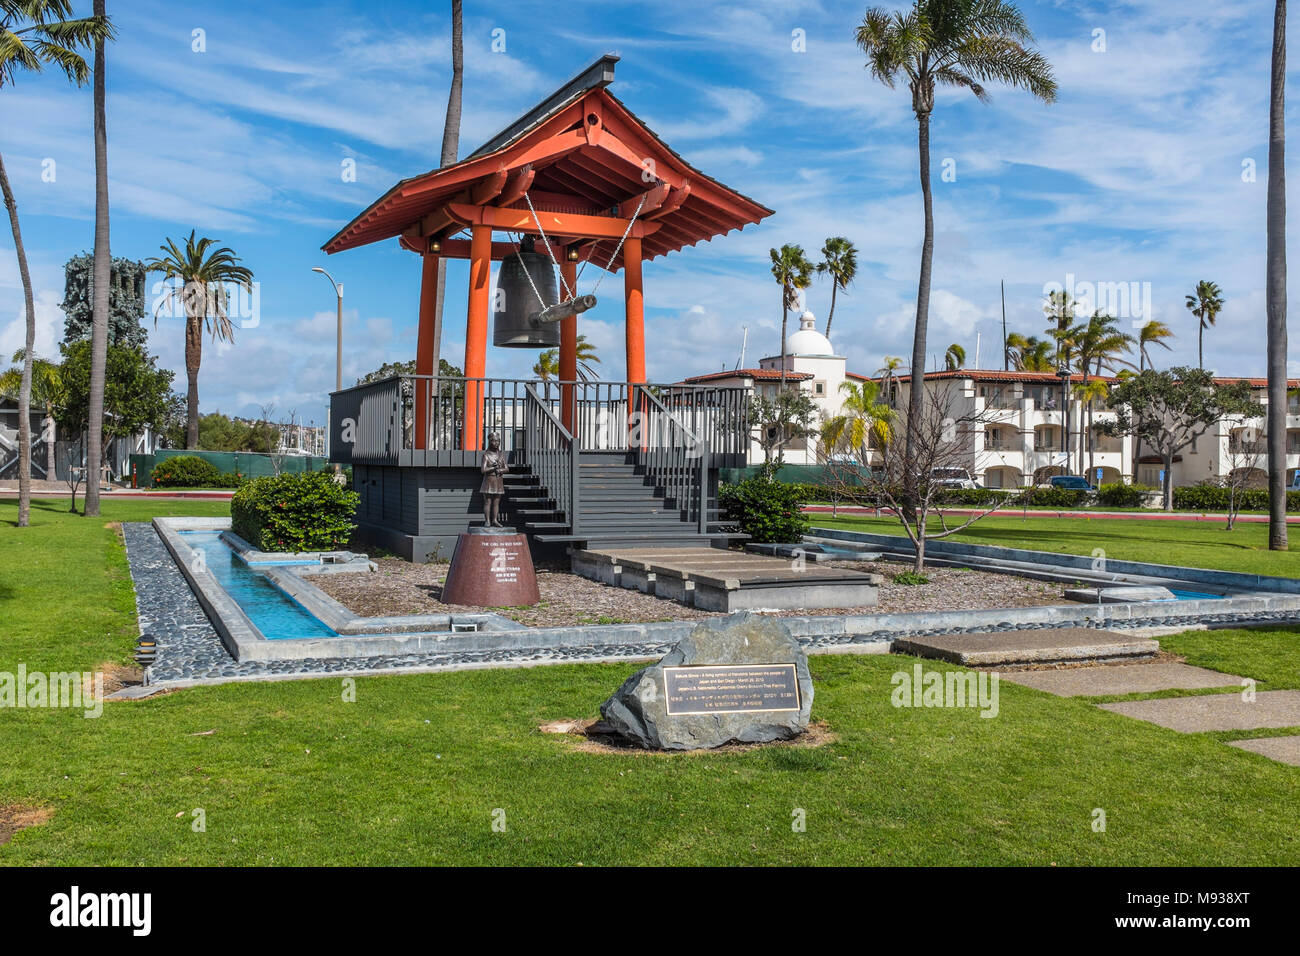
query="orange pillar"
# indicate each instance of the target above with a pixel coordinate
(476, 333)
(424, 342)
(568, 346)
(634, 301)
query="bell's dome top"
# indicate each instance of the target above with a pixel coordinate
(808, 341)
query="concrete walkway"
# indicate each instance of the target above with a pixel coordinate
(1281, 749)
(1145, 678)
(1190, 715)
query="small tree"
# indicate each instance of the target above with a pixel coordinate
(1245, 451)
(776, 422)
(938, 447)
(1168, 410)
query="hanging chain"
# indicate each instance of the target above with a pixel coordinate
(570, 293)
(600, 278)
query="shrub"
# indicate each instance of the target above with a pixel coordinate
(1215, 498)
(186, 471)
(299, 511)
(768, 511)
(1120, 495)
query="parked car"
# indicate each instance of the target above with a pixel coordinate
(952, 478)
(1072, 482)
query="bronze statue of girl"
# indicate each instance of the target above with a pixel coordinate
(493, 488)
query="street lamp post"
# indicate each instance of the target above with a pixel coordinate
(1063, 370)
(338, 355)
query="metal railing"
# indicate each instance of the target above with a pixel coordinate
(376, 421)
(552, 455)
(674, 456)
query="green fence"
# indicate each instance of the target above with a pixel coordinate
(246, 464)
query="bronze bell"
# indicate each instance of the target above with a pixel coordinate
(514, 323)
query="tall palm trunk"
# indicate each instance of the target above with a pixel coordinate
(1200, 346)
(830, 316)
(101, 273)
(193, 356)
(785, 319)
(25, 388)
(1275, 289)
(450, 151)
(916, 396)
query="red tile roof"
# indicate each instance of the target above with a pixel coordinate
(757, 374)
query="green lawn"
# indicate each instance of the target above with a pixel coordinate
(412, 772)
(1200, 544)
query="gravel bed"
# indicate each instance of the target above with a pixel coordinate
(400, 587)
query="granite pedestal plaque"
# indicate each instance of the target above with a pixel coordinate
(491, 567)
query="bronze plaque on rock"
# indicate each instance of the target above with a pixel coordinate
(730, 688)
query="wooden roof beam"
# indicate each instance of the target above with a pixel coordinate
(648, 201)
(555, 223)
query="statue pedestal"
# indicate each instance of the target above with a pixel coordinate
(491, 567)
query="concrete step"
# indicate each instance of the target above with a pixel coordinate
(1065, 645)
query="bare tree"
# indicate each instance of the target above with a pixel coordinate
(940, 445)
(1245, 451)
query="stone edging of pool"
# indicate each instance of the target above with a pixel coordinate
(822, 634)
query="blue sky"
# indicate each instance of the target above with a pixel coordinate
(1135, 175)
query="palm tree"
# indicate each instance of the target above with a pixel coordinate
(1088, 392)
(35, 34)
(548, 363)
(1275, 285)
(203, 276)
(101, 272)
(1205, 302)
(840, 262)
(863, 421)
(886, 372)
(46, 386)
(1029, 353)
(962, 43)
(450, 153)
(793, 272)
(1152, 333)
(954, 358)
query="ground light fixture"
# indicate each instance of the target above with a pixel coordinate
(146, 650)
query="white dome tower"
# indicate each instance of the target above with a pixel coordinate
(808, 341)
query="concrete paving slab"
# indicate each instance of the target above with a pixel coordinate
(1142, 678)
(1040, 646)
(1281, 749)
(1189, 715)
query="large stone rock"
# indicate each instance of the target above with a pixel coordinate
(638, 711)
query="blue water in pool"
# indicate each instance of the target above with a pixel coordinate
(278, 616)
(1195, 595)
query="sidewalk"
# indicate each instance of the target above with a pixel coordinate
(1042, 513)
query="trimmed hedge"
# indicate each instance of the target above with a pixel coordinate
(1215, 498)
(768, 511)
(301, 511)
(1123, 496)
(186, 471)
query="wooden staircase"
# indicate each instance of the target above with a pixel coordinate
(619, 505)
